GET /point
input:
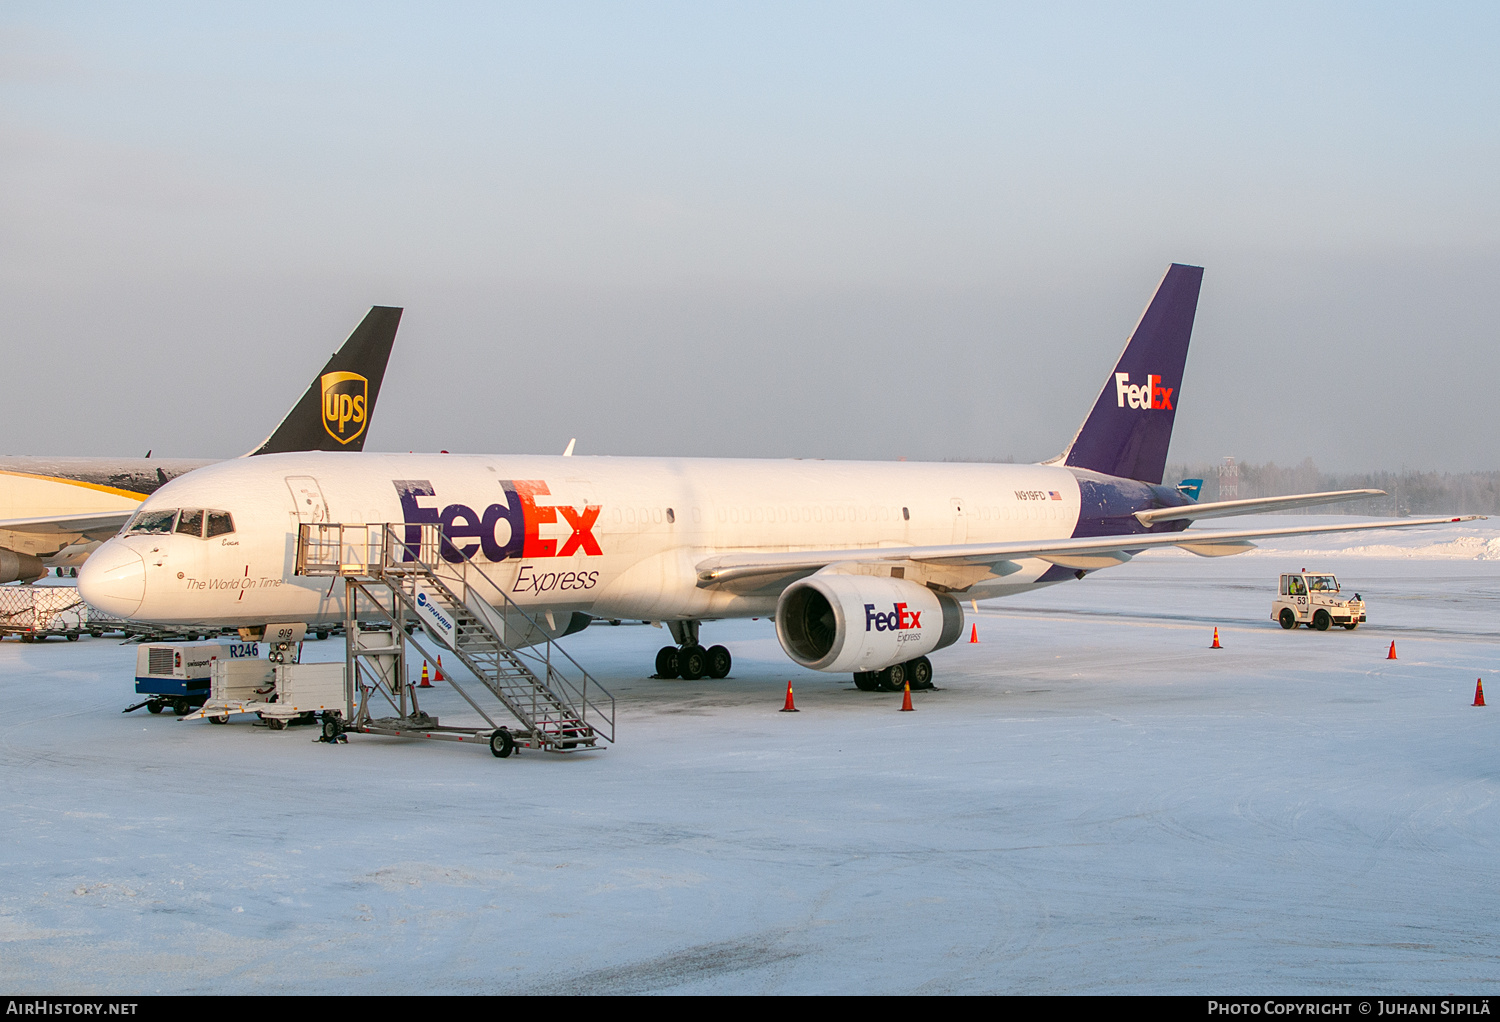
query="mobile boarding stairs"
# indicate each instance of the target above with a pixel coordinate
(395, 575)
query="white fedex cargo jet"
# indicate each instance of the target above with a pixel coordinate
(862, 564)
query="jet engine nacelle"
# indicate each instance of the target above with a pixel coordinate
(834, 622)
(18, 567)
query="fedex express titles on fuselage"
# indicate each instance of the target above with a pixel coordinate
(610, 537)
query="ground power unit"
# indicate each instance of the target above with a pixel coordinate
(178, 674)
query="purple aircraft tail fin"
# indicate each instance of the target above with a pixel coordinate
(1128, 431)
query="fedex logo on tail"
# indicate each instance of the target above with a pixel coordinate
(522, 515)
(1150, 394)
(900, 619)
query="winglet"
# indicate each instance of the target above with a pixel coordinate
(1130, 428)
(335, 413)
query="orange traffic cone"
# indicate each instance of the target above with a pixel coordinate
(973, 633)
(790, 707)
(424, 682)
(1216, 640)
(1392, 654)
(906, 699)
(438, 671)
(1479, 692)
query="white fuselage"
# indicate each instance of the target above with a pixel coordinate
(610, 537)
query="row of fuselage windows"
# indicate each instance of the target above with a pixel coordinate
(188, 521)
(206, 524)
(833, 513)
(875, 513)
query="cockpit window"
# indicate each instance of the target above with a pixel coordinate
(190, 522)
(153, 522)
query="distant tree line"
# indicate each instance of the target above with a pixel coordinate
(1409, 492)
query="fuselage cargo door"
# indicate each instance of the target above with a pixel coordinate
(960, 521)
(307, 499)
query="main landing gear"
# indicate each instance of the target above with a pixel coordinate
(917, 673)
(693, 662)
(689, 660)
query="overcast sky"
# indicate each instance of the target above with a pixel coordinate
(828, 230)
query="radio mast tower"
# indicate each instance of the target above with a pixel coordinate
(1229, 480)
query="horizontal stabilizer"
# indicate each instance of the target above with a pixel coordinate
(1250, 506)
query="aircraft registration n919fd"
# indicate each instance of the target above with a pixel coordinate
(862, 564)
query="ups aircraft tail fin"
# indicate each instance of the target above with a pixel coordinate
(335, 413)
(1130, 428)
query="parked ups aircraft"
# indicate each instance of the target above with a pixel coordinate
(54, 512)
(862, 564)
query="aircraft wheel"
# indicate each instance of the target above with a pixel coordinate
(919, 673)
(501, 743)
(692, 662)
(1321, 620)
(666, 662)
(719, 662)
(1288, 619)
(867, 681)
(893, 678)
(154, 705)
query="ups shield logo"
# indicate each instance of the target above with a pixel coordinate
(345, 399)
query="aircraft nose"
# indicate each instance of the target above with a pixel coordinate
(113, 580)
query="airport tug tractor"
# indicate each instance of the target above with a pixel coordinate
(1313, 599)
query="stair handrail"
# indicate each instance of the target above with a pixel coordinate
(387, 552)
(432, 539)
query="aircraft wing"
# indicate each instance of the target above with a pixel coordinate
(967, 563)
(1252, 506)
(100, 525)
